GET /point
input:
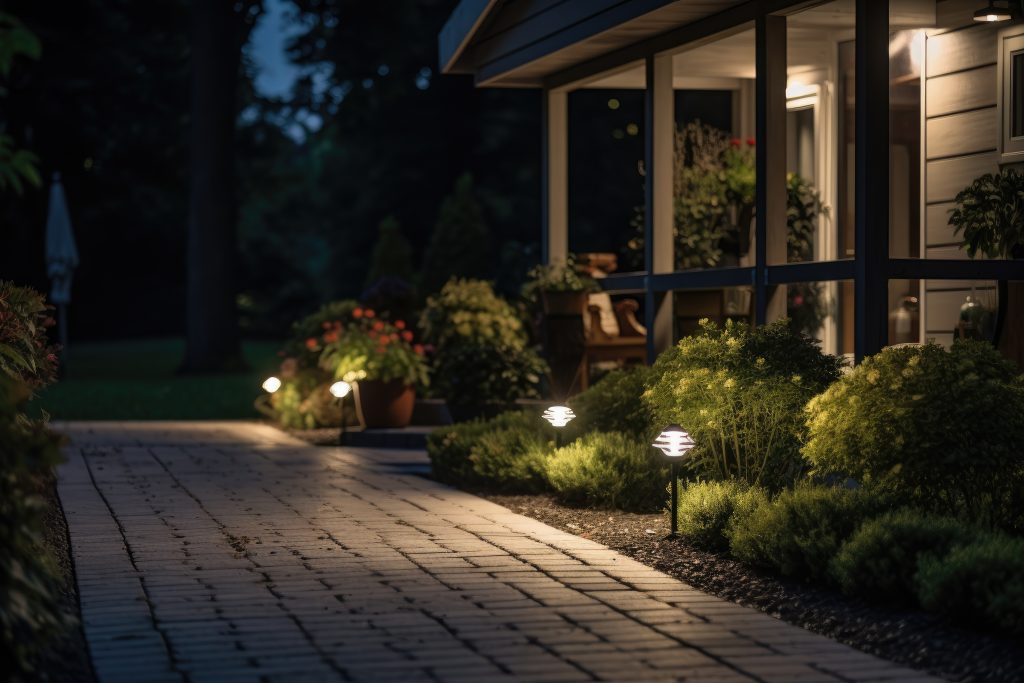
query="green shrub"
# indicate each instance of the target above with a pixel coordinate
(740, 392)
(449, 448)
(304, 342)
(25, 352)
(880, 560)
(511, 460)
(981, 582)
(943, 429)
(29, 611)
(608, 470)
(615, 404)
(706, 509)
(799, 532)
(481, 353)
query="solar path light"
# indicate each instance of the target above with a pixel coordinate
(340, 390)
(559, 416)
(676, 444)
(271, 384)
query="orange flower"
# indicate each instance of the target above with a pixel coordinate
(407, 335)
(400, 324)
(384, 340)
(418, 349)
(369, 313)
(330, 337)
(311, 344)
(357, 313)
(378, 326)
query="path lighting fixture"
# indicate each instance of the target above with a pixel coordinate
(271, 384)
(559, 416)
(676, 444)
(993, 12)
(340, 390)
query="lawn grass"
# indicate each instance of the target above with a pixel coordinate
(137, 380)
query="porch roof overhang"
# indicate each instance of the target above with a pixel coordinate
(527, 43)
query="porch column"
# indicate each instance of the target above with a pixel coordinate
(871, 204)
(659, 218)
(555, 177)
(770, 200)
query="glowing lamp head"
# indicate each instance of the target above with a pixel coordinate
(559, 416)
(674, 442)
(992, 13)
(340, 389)
(271, 384)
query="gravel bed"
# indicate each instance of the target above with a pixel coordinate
(907, 636)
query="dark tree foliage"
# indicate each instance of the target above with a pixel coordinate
(459, 245)
(392, 254)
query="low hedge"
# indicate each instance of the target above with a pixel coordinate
(450, 448)
(708, 509)
(802, 529)
(880, 561)
(608, 470)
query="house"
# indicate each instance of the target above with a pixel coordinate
(887, 108)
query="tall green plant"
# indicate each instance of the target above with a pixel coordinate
(740, 392)
(989, 214)
(460, 243)
(392, 254)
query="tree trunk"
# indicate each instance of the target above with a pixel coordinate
(212, 340)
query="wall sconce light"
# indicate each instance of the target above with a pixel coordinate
(675, 443)
(995, 11)
(559, 416)
(271, 384)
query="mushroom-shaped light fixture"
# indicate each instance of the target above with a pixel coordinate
(340, 389)
(559, 416)
(271, 384)
(675, 443)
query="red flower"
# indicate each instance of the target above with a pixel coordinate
(751, 142)
(357, 313)
(331, 337)
(798, 300)
(400, 324)
(372, 334)
(418, 349)
(369, 313)
(311, 344)
(407, 335)
(735, 142)
(378, 326)
(384, 340)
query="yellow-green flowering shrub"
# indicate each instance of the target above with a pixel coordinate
(740, 392)
(942, 429)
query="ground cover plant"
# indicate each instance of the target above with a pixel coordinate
(940, 428)
(740, 392)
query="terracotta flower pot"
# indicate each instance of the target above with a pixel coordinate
(386, 404)
(564, 303)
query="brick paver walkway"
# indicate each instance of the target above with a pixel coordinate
(231, 552)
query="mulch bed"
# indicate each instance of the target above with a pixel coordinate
(65, 658)
(907, 636)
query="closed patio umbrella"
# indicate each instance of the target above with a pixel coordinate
(61, 255)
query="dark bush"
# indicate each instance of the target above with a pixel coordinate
(800, 531)
(511, 460)
(449, 448)
(880, 560)
(981, 582)
(615, 404)
(25, 352)
(707, 508)
(741, 392)
(29, 612)
(608, 469)
(942, 429)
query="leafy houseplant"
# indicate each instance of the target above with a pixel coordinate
(989, 214)
(558, 287)
(380, 355)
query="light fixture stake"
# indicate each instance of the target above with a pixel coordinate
(675, 443)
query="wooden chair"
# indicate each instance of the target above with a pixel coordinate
(628, 344)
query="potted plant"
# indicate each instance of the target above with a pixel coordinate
(989, 216)
(481, 361)
(382, 358)
(559, 288)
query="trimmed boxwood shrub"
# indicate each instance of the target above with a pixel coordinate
(981, 582)
(800, 531)
(740, 392)
(942, 429)
(706, 510)
(511, 460)
(608, 470)
(615, 404)
(449, 447)
(880, 560)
